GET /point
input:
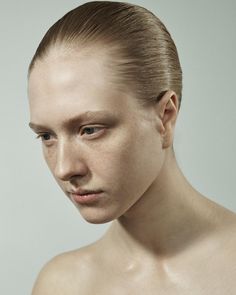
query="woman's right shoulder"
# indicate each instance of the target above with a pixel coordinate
(65, 273)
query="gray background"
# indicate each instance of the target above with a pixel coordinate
(36, 220)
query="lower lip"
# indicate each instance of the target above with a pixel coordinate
(86, 199)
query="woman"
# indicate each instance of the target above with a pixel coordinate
(104, 91)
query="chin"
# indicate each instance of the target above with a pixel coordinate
(96, 215)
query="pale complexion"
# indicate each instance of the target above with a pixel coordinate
(165, 237)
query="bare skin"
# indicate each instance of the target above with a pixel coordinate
(165, 238)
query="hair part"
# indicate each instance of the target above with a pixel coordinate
(142, 55)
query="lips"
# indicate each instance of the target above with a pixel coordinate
(83, 196)
(83, 192)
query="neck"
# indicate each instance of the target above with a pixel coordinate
(169, 217)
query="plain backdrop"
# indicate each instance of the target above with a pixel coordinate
(37, 221)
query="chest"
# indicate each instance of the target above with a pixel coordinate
(203, 281)
(152, 288)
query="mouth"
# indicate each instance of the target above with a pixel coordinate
(83, 192)
(85, 196)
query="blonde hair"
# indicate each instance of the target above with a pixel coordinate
(141, 51)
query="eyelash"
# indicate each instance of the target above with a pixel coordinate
(91, 127)
(42, 135)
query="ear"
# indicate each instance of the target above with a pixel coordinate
(167, 109)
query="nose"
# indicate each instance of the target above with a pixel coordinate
(69, 162)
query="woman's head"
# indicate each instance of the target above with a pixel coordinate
(141, 55)
(95, 133)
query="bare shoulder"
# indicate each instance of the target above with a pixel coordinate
(65, 273)
(222, 250)
(226, 239)
(224, 260)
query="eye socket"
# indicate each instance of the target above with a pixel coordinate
(44, 136)
(90, 130)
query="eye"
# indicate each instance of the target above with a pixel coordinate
(91, 130)
(44, 136)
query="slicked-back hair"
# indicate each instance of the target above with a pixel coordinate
(141, 52)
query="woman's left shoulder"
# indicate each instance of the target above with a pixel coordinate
(227, 239)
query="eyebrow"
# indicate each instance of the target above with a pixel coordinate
(89, 115)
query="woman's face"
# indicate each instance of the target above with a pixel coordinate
(93, 136)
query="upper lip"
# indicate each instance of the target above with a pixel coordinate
(84, 192)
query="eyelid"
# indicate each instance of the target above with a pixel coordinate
(40, 135)
(44, 141)
(101, 127)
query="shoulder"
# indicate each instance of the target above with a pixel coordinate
(225, 238)
(65, 273)
(222, 251)
(223, 261)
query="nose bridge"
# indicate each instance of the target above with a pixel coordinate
(69, 162)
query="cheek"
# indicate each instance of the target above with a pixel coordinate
(143, 163)
(130, 163)
(49, 158)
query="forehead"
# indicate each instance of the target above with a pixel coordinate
(65, 68)
(65, 82)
